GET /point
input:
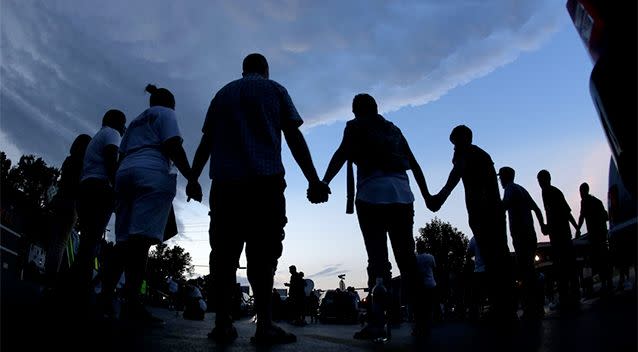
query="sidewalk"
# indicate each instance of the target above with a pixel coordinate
(601, 325)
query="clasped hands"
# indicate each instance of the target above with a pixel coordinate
(318, 192)
(433, 202)
(194, 191)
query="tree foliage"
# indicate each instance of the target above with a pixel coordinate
(33, 177)
(164, 261)
(24, 188)
(446, 243)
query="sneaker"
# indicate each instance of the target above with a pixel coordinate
(370, 333)
(273, 336)
(223, 335)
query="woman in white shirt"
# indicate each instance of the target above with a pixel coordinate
(384, 200)
(145, 186)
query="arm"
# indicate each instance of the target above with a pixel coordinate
(173, 148)
(336, 163)
(301, 153)
(111, 152)
(418, 174)
(201, 158)
(193, 188)
(453, 179)
(539, 216)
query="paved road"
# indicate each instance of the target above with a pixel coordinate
(601, 325)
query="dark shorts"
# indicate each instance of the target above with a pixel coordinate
(251, 213)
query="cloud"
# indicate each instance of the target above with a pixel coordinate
(328, 271)
(65, 63)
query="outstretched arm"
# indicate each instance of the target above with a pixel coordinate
(301, 153)
(318, 191)
(437, 200)
(173, 148)
(539, 216)
(418, 175)
(336, 163)
(201, 158)
(193, 188)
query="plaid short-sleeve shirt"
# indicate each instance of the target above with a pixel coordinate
(244, 124)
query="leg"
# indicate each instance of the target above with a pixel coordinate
(373, 228)
(95, 209)
(400, 227)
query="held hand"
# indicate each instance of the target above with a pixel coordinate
(433, 203)
(194, 191)
(544, 229)
(318, 192)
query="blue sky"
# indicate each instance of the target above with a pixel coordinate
(515, 72)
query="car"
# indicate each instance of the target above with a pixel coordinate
(608, 30)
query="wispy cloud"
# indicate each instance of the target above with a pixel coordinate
(65, 63)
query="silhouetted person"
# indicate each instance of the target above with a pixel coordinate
(519, 206)
(276, 304)
(313, 307)
(242, 136)
(594, 214)
(559, 216)
(63, 206)
(486, 216)
(145, 187)
(384, 200)
(477, 290)
(96, 196)
(426, 265)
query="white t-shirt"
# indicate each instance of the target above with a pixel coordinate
(94, 158)
(142, 141)
(426, 265)
(380, 187)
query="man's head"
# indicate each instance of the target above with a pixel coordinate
(544, 178)
(255, 63)
(78, 148)
(461, 136)
(115, 119)
(160, 97)
(364, 105)
(420, 247)
(584, 190)
(506, 175)
(292, 269)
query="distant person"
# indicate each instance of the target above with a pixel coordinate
(594, 214)
(477, 290)
(486, 217)
(426, 265)
(384, 200)
(194, 306)
(242, 137)
(296, 296)
(559, 217)
(145, 186)
(96, 200)
(63, 206)
(313, 307)
(276, 304)
(519, 206)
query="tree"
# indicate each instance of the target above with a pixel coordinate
(24, 195)
(448, 245)
(33, 177)
(164, 261)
